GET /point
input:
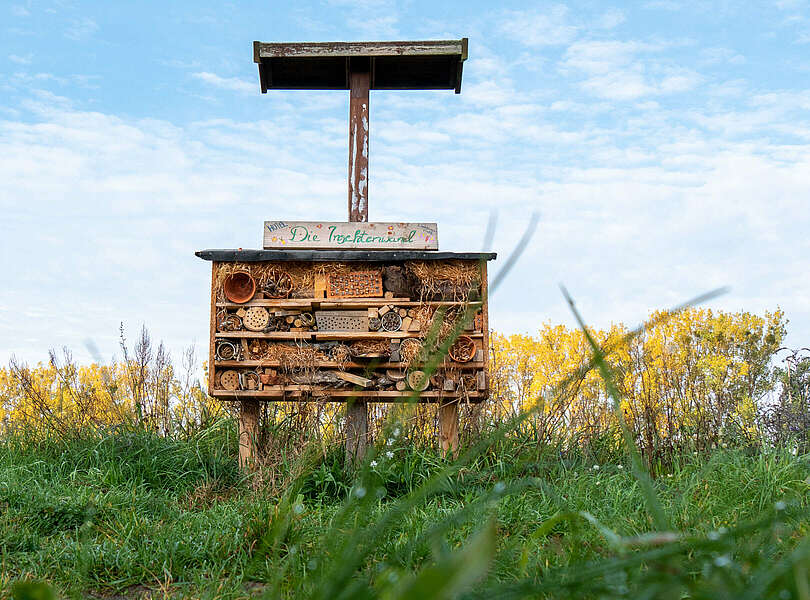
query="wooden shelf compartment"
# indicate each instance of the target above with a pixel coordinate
(272, 335)
(372, 335)
(348, 365)
(291, 391)
(335, 303)
(327, 335)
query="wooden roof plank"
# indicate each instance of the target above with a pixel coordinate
(347, 49)
(339, 255)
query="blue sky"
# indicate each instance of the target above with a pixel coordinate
(665, 146)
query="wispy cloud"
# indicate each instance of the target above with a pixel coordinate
(719, 55)
(176, 63)
(379, 27)
(80, 29)
(21, 60)
(790, 4)
(620, 70)
(610, 19)
(672, 5)
(19, 10)
(366, 19)
(547, 27)
(233, 84)
(31, 78)
(363, 4)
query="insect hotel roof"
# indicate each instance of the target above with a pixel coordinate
(385, 256)
(409, 65)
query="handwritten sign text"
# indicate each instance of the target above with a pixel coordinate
(350, 236)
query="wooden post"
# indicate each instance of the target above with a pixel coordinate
(359, 83)
(485, 320)
(212, 340)
(248, 433)
(356, 431)
(448, 427)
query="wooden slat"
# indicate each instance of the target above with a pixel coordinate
(341, 395)
(324, 335)
(485, 320)
(276, 389)
(321, 304)
(273, 335)
(352, 378)
(384, 256)
(338, 49)
(371, 335)
(325, 364)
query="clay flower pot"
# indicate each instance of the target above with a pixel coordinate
(239, 287)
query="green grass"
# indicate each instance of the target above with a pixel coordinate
(125, 514)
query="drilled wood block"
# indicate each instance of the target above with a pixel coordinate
(341, 320)
(359, 284)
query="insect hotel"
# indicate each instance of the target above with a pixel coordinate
(352, 312)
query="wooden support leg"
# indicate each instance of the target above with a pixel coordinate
(356, 431)
(248, 433)
(448, 427)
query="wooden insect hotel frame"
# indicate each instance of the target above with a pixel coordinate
(351, 312)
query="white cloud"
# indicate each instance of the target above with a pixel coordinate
(32, 78)
(619, 70)
(379, 27)
(233, 84)
(601, 57)
(177, 63)
(672, 5)
(368, 19)
(731, 88)
(20, 11)
(80, 29)
(490, 93)
(364, 4)
(610, 19)
(718, 55)
(790, 4)
(21, 60)
(548, 27)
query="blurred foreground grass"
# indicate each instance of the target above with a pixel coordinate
(129, 514)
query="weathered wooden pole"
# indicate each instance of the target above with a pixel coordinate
(359, 86)
(248, 433)
(448, 427)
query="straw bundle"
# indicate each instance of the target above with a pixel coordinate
(454, 278)
(361, 347)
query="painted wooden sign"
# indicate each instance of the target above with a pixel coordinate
(308, 235)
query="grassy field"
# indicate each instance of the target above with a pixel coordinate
(128, 514)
